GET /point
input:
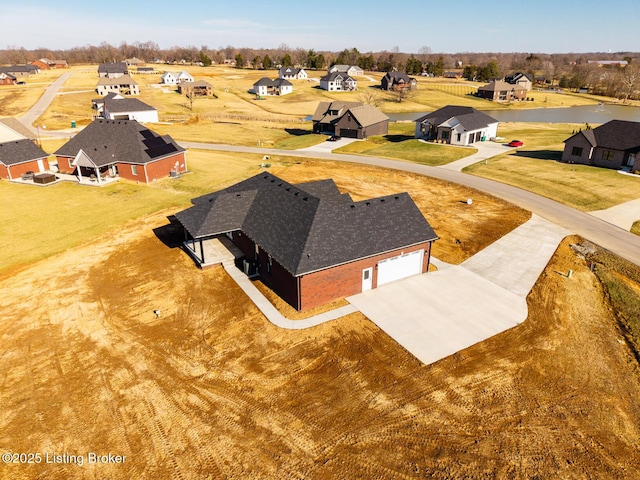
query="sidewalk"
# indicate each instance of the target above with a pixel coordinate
(486, 150)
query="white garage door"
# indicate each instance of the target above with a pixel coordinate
(399, 267)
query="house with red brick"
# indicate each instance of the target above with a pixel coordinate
(22, 156)
(108, 149)
(309, 242)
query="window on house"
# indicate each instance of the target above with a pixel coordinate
(576, 151)
(134, 170)
(608, 155)
(459, 137)
(445, 135)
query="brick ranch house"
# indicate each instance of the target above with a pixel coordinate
(310, 243)
(121, 148)
(349, 119)
(17, 157)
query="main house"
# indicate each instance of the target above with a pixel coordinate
(500, 91)
(398, 81)
(310, 243)
(279, 86)
(108, 149)
(349, 119)
(614, 144)
(338, 82)
(122, 85)
(456, 125)
(115, 107)
(291, 73)
(17, 157)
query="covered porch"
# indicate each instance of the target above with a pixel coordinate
(90, 173)
(210, 251)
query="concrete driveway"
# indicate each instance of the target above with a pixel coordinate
(327, 147)
(486, 150)
(440, 313)
(623, 215)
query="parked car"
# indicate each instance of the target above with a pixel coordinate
(333, 138)
(515, 143)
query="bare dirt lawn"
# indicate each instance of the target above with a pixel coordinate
(212, 390)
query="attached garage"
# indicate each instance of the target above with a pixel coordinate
(402, 266)
(349, 133)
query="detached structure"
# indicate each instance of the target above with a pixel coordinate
(267, 87)
(109, 149)
(456, 125)
(310, 243)
(615, 144)
(349, 119)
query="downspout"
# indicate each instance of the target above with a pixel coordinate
(299, 293)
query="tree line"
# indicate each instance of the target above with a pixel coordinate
(571, 71)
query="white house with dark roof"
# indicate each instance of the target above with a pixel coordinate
(338, 82)
(456, 125)
(112, 70)
(116, 107)
(175, 78)
(267, 87)
(310, 243)
(351, 70)
(122, 85)
(291, 73)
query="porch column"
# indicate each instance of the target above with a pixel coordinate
(202, 250)
(79, 173)
(98, 175)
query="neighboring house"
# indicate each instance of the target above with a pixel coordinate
(398, 81)
(499, 91)
(7, 79)
(18, 157)
(349, 119)
(112, 70)
(198, 89)
(134, 62)
(523, 79)
(145, 70)
(12, 129)
(456, 125)
(46, 64)
(174, 78)
(20, 71)
(351, 70)
(123, 85)
(338, 82)
(116, 107)
(291, 73)
(310, 243)
(121, 148)
(453, 74)
(615, 144)
(279, 86)
(609, 63)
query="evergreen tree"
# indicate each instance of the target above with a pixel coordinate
(266, 62)
(286, 61)
(239, 61)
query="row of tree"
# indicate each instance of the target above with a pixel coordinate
(564, 70)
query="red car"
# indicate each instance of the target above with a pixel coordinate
(515, 143)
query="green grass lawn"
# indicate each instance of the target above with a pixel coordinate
(43, 221)
(580, 186)
(300, 141)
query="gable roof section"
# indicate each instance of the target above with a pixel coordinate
(367, 115)
(116, 105)
(113, 67)
(469, 117)
(327, 112)
(20, 151)
(309, 226)
(123, 80)
(12, 129)
(126, 141)
(499, 85)
(617, 135)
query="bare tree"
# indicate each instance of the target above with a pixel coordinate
(370, 96)
(630, 78)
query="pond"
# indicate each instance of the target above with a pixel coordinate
(592, 114)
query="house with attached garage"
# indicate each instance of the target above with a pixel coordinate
(351, 70)
(456, 125)
(175, 78)
(398, 81)
(291, 73)
(310, 243)
(106, 150)
(112, 70)
(116, 107)
(523, 79)
(499, 91)
(349, 119)
(338, 82)
(17, 157)
(267, 87)
(615, 144)
(123, 85)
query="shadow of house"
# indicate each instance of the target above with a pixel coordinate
(172, 234)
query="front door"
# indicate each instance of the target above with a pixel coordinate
(367, 279)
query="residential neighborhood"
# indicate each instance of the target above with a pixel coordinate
(273, 245)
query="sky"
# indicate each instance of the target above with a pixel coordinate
(544, 26)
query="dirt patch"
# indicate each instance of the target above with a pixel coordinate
(211, 389)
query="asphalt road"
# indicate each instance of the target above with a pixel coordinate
(29, 118)
(615, 239)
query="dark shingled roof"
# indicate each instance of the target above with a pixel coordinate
(310, 226)
(109, 141)
(20, 151)
(617, 135)
(469, 117)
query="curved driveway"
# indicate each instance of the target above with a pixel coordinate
(615, 239)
